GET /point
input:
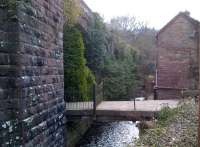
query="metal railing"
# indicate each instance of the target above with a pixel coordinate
(76, 102)
(99, 93)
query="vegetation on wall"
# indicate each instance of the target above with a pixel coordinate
(72, 10)
(120, 77)
(120, 70)
(94, 40)
(137, 34)
(128, 31)
(116, 53)
(78, 78)
(111, 59)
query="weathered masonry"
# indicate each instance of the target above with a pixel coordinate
(31, 73)
(177, 60)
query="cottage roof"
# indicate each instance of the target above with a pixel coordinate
(186, 15)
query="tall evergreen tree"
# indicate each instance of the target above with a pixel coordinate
(95, 40)
(78, 78)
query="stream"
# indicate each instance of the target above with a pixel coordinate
(114, 134)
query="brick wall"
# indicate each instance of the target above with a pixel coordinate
(178, 34)
(177, 57)
(169, 94)
(31, 73)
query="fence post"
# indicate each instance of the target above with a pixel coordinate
(134, 104)
(94, 100)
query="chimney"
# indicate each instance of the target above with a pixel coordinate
(187, 13)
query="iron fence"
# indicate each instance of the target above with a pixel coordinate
(75, 100)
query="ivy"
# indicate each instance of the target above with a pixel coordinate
(11, 4)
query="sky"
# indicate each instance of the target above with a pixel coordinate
(155, 13)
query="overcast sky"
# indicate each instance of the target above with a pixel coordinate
(156, 13)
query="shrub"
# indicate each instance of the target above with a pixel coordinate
(166, 114)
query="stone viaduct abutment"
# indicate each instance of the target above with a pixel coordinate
(31, 73)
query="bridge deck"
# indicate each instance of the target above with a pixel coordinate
(123, 110)
(148, 105)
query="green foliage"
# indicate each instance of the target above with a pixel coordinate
(138, 35)
(120, 68)
(78, 78)
(95, 40)
(8, 3)
(72, 11)
(120, 75)
(11, 7)
(111, 59)
(90, 81)
(166, 114)
(12, 4)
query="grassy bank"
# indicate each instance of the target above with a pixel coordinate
(173, 128)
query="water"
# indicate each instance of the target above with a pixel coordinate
(115, 134)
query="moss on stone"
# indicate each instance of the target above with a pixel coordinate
(10, 4)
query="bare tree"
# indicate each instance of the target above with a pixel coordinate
(127, 24)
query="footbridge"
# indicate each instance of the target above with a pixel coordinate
(117, 110)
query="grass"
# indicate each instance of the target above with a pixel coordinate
(166, 114)
(174, 128)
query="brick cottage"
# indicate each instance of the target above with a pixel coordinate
(177, 54)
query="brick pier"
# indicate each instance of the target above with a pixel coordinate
(31, 73)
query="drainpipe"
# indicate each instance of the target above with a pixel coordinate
(156, 78)
(157, 56)
(156, 84)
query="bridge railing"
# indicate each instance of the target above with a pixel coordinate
(75, 101)
(97, 96)
(99, 93)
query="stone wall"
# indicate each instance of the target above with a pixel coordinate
(177, 64)
(31, 73)
(86, 17)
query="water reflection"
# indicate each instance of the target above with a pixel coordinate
(115, 134)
